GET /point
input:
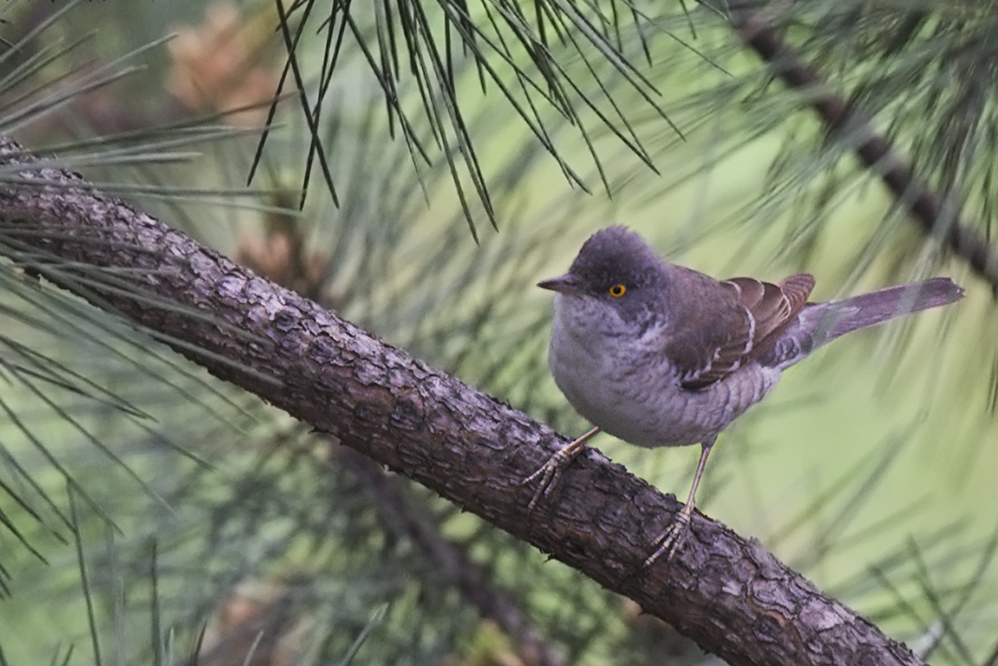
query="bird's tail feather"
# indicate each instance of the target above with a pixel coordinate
(836, 318)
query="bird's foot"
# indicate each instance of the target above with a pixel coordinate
(549, 473)
(673, 537)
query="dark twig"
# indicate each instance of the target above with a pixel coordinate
(937, 215)
(450, 560)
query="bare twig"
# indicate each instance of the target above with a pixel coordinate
(936, 215)
(451, 562)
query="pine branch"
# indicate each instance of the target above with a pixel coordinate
(937, 215)
(725, 592)
(450, 560)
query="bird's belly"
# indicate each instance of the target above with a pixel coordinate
(643, 403)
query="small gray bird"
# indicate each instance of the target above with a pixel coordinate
(661, 355)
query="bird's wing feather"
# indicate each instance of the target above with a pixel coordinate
(735, 329)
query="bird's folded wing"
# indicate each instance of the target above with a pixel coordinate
(745, 319)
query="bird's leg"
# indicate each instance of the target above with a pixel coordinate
(551, 470)
(673, 537)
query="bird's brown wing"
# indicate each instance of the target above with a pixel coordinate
(734, 329)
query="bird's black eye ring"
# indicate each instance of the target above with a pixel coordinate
(618, 290)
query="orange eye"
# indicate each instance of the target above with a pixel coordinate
(618, 290)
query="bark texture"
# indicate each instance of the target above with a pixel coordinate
(725, 592)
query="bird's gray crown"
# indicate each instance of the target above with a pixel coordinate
(616, 255)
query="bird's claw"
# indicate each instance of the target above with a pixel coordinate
(549, 473)
(673, 537)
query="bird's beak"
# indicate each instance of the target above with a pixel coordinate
(566, 284)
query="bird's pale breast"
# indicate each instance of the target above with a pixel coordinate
(623, 384)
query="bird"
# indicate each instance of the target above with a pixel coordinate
(658, 355)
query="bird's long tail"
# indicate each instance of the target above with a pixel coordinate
(820, 323)
(845, 316)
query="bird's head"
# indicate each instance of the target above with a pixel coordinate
(615, 271)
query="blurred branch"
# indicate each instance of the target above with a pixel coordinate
(449, 560)
(938, 215)
(725, 592)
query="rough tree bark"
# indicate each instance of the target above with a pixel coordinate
(725, 592)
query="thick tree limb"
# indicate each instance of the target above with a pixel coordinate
(726, 593)
(874, 150)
